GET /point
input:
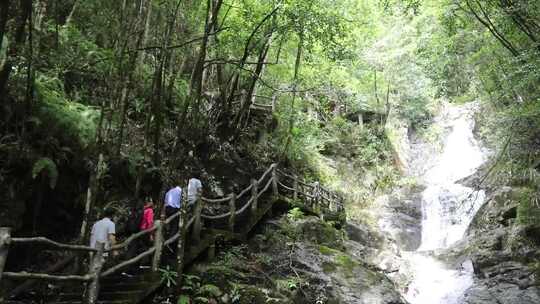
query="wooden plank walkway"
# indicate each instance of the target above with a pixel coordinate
(197, 234)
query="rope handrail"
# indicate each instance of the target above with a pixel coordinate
(44, 240)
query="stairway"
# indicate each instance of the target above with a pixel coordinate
(123, 289)
(117, 289)
(200, 232)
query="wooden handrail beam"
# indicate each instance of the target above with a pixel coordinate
(23, 275)
(128, 262)
(131, 239)
(57, 245)
(261, 179)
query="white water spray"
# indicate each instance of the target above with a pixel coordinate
(447, 209)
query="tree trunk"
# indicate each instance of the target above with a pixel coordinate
(26, 7)
(297, 63)
(91, 192)
(248, 98)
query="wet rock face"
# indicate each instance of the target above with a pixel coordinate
(401, 218)
(304, 261)
(346, 279)
(505, 254)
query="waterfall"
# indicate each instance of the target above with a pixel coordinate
(447, 210)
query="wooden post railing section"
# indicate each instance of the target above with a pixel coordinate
(322, 202)
(96, 264)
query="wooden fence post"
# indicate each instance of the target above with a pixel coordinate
(232, 208)
(5, 239)
(96, 263)
(197, 224)
(158, 244)
(316, 196)
(275, 190)
(274, 99)
(295, 186)
(254, 194)
(180, 247)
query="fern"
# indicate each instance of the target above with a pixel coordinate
(210, 290)
(68, 119)
(47, 165)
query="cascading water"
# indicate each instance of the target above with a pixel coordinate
(447, 210)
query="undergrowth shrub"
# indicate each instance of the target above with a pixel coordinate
(71, 121)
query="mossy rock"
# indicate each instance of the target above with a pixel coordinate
(319, 232)
(252, 295)
(220, 275)
(528, 212)
(327, 251)
(340, 261)
(329, 267)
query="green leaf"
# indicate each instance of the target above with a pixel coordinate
(183, 299)
(47, 165)
(210, 290)
(202, 300)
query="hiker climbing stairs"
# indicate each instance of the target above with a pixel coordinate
(196, 234)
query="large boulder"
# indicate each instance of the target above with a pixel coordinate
(504, 252)
(400, 217)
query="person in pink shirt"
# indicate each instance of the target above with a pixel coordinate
(147, 221)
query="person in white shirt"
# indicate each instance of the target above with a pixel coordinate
(104, 232)
(194, 190)
(173, 202)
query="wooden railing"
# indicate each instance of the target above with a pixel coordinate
(246, 203)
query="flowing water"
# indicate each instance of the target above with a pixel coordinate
(447, 210)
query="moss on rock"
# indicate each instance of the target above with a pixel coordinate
(528, 212)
